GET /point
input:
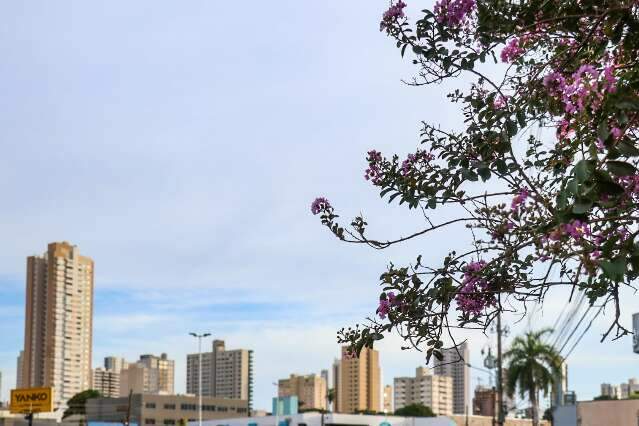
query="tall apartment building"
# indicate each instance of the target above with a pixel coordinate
(310, 390)
(359, 387)
(115, 363)
(425, 388)
(107, 382)
(58, 322)
(455, 364)
(19, 370)
(612, 391)
(225, 373)
(388, 400)
(150, 375)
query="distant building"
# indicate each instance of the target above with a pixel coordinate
(107, 382)
(115, 363)
(310, 390)
(58, 322)
(425, 388)
(359, 382)
(163, 409)
(150, 375)
(225, 373)
(336, 385)
(388, 399)
(485, 401)
(19, 370)
(612, 391)
(455, 365)
(326, 377)
(560, 386)
(285, 405)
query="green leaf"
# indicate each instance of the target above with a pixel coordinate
(501, 166)
(572, 186)
(582, 207)
(621, 168)
(614, 270)
(511, 126)
(432, 203)
(521, 118)
(603, 131)
(627, 148)
(583, 170)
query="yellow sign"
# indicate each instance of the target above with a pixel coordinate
(32, 400)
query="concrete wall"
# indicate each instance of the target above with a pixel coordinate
(623, 412)
(488, 421)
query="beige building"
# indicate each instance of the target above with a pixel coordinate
(455, 365)
(163, 409)
(225, 373)
(58, 322)
(359, 382)
(19, 370)
(107, 382)
(388, 399)
(150, 375)
(115, 363)
(425, 388)
(310, 390)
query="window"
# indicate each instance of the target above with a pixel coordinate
(169, 407)
(169, 421)
(149, 405)
(149, 421)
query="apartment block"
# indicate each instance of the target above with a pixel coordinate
(388, 400)
(115, 363)
(455, 365)
(19, 367)
(310, 390)
(425, 388)
(107, 382)
(58, 322)
(150, 375)
(337, 383)
(359, 382)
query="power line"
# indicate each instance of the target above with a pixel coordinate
(584, 332)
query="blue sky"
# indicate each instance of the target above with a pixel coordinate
(179, 144)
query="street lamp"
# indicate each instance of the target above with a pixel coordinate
(199, 338)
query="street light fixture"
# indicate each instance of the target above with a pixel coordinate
(199, 338)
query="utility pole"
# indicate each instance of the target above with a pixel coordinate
(500, 385)
(199, 338)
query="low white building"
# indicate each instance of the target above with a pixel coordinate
(330, 419)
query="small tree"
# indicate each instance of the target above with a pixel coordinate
(415, 410)
(604, 398)
(77, 403)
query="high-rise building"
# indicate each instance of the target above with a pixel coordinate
(425, 388)
(58, 322)
(225, 373)
(359, 378)
(388, 399)
(310, 390)
(325, 376)
(150, 375)
(560, 386)
(115, 363)
(612, 391)
(19, 370)
(455, 364)
(107, 382)
(336, 385)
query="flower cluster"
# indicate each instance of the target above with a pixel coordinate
(575, 229)
(473, 296)
(420, 157)
(320, 204)
(630, 185)
(519, 199)
(586, 87)
(386, 303)
(500, 102)
(394, 12)
(512, 51)
(453, 12)
(374, 171)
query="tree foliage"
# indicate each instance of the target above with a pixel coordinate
(543, 172)
(77, 403)
(415, 410)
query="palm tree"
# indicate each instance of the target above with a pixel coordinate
(533, 366)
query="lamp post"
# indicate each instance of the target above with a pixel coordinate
(199, 338)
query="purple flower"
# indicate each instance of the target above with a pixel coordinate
(384, 308)
(394, 12)
(473, 296)
(512, 51)
(374, 171)
(500, 102)
(519, 199)
(453, 12)
(392, 299)
(320, 204)
(616, 132)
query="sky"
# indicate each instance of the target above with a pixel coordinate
(180, 144)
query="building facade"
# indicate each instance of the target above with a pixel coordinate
(455, 365)
(359, 382)
(115, 363)
(485, 401)
(58, 322)
(225, 373)
(310, 390)
(150, 375)
(19, 370)
(169, 410)
(425, 388)
(335, 372)
(388, 400)
(107, 382)
(285, 405)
